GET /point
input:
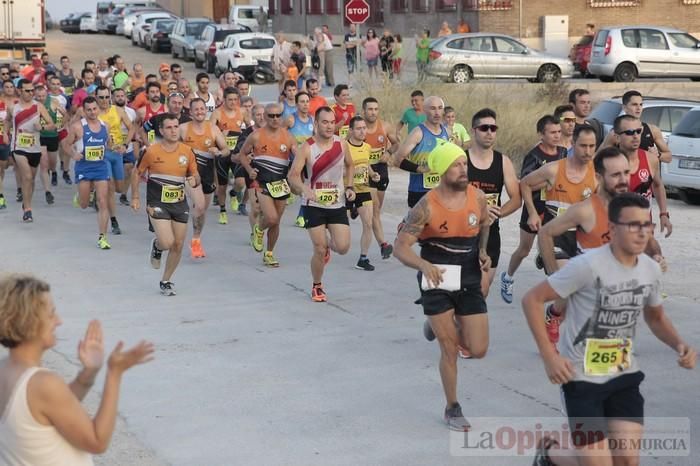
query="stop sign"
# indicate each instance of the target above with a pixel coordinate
(357, 11)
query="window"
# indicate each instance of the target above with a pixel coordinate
(652, 39)
(399, 6)
(246, 13)
(676, 114)
(286, 7)
(456, 44)
(487, 5)
(652, 115)
(332, 7)
(195, 29)
(607, 111)
(421, 6)
(683, 40)
(446, 5)
(629, 38)
(257, 44)
(314, 7)
(602, 37)
(504, 45)
(689, 126)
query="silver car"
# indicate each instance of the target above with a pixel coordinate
(682, 175)
(630, 52)
(461, 57)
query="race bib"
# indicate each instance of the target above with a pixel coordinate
(172, 194)
(375, 155)
(278, 188)
(543, 194)
(492, 199)
(94, 153)
(68, 90)
(343, 132)
(152, 136)
(561, 211)
(25, 140)
(607, 356)
(59, 120)
(430, 180)
(2, 128)
(361, 176)
(231, 141)
(327, 196)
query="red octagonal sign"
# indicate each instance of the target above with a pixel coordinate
(357, 11)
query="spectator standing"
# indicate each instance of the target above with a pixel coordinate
(445, 29)
(299, 59)
(281, 59)
(422, 53)
(262, 20)
(385, 44)
(327, 32)
(463, 26)
(351, 49)
(397, 56)
(324, 49)
(371, 45)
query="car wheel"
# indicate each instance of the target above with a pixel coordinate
(210, 65)
(460, 74)
(548, 73)
(689, 196)
(606, 79)
(625, 73)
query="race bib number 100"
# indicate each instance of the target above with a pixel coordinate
(430, 180)
(607, 356)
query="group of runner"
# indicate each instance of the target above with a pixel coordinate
(585, 197)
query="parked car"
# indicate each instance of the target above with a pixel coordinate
(71, 23)
(88, 23)
(247, 15)
(241, 52)
(630, 52)
(130, 18)
(158, 38)
(660, 111)
(580, 55)
(459, 58)
(143, 25)
(184, 34)
(209, 42)
(111, 22)
(682, 175)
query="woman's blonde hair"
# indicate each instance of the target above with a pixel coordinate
(20, 308)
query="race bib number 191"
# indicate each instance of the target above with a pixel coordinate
(25, 140)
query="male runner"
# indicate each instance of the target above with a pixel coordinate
(128, 132)
(49, 139)
(451, 225)
(272, 147)
(67, 76)
(316, 100)
(301, 125)
(288, 99)
(414, 115)
(207, 142)
(567, 120)
(23, 122)
(608, 290)
(169, 165)
(165, 78)
(7, 100)
(184, 88)
(203, 93)
(412, 154)
(580, 100)
(241, 181)
(381, 137)
(153, 107)
(87, 142)
(343, 108)
(325, 191)
(362, 204)
(644, 166)
(243, 87)
(226, 80)
(548, 150)
(57, 93)
(230, 120)
(491, 171)
(458, 133)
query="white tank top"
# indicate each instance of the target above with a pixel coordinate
(25, 442)
(325, 171)
(25, 136)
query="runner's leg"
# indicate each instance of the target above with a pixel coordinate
(101, 192)
(444, 328)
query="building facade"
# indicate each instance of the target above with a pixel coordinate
(213, 9)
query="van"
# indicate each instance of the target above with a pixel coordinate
(247, 15)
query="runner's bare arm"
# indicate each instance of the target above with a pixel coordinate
(541, 178)
(580, 214)
(664, 152)
(294, 175)
(484, 227)
(512, 185)
(407, 146)
(49, 124)
(661, 326)
(220, 141)
(348, 173)
(130, 127)
(75, 132)
(246, 149)
(141, 168)
(215, 117)
(660, 194)
(409, 232)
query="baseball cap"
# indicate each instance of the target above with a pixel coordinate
(164, 67)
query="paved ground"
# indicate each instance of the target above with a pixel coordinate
(249, 371)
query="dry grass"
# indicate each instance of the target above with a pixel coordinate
(518, 106)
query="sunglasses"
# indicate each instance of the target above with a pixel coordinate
(485, 128)
(175, 94)
(5, 74)
(176, 71)
(631, 132)
(568, 120)
(103, 97)
(274, 115)
(27, 90)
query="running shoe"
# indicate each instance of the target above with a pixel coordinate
(196, 249)
(363, 264)
(234, 203)
(27, 216)
(269, 259)
(543, 446)
(291, 199)
(167, 289)
(123, 200)
(455, 419)
(242, 209)
(507, 288)
(463, 353)
(386, 250)
(54, 178)
(66, 178)
(256, 241)
(3, 203)
(317, 294)
(76, 202)
(552, 323)
(155, 255)
(19, 197)
(428, 331)
(223, 218)
(327, 257)
(49, 198)
(115, 227)
(300, 222)
(102, 242)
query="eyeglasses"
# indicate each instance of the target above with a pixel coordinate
(176, 71)
(175, 94)
(5, 74)
(485, 128)
(274, 115)
(103, 97)
(631, 132)
(636, 227)
(568, 120)
(27, 90)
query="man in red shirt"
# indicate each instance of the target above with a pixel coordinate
(343, 109)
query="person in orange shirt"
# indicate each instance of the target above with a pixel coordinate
(445, 30)
(165, 78)
(316, 101)
(141, 98)
(137, 78)
(463, 27)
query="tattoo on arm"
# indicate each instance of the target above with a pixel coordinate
(198, 224)
(417, 218)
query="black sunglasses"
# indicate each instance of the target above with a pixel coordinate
(27, 90)
(103, 97)
(631, 132)
(485, 128)
(274, 115)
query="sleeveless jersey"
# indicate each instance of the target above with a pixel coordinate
(25, 136)
(360, 159)
(300, 130)
(564, 193)
(131, 115)
(56, 117)
(379, 142)
(490, 180)
(67, 81)
(92, 145)
(231, 127)
(325, 169)
(210, 103)
(150, 113)
(288, 109)
(114, 124)
(452, 236)
(271, 154)
(600, 234)
(343, 115)
(422, 182)
(3, 113)
(641, 180)
(200, 143)
(167, 172)
(647, 138)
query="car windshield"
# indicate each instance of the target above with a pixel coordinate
(606, 112)
(222, 34)
(683, 40)
(165, 26)
(117, 10)
(195, 29)
(689, 126)
(257, 43)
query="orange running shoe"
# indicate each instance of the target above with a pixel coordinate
(196, 249)
(317, 294)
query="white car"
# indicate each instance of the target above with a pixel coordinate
(143, 24)
(682, 175)
(241, 52)
(130, 19)
(88, 23)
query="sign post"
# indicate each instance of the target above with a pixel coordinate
(357, 12)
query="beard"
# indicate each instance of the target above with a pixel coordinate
(457, 186)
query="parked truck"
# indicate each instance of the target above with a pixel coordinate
(22, 29)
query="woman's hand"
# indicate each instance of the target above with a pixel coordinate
(121, 361)
(91, 349)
